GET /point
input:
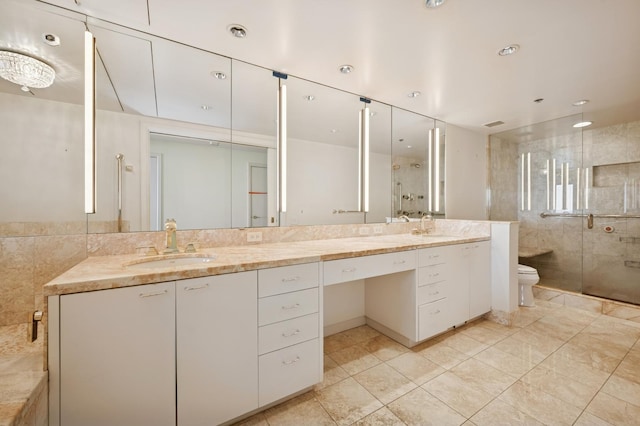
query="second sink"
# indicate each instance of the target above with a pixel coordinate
(169, 261)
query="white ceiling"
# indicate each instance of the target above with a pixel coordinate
(569, 50)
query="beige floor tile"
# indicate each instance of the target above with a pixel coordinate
(576, 315)
(333, 373)
(555, 327)
(607, 348)
(580, 372)
(337, 342)
(354, 359)
(304, 409)
(465, 344)
(256, 420)
(416, 368)
(527, 316)
(347, 401)
(384, 348)
(498, 413)
(382, 417)
(521, 349)
(384, 383)
(623, 389)
(613, 330)
(540, 405)
(629, 368)
(507, 363)
(483, 376)
(458, 394)
(587, 419)
(614, 410)
(560, 386)
(591, 357)
(443, 355)
(541, 341)
(484, 334)
(418, 407)
(361, 334)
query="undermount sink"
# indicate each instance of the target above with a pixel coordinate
(170, 260)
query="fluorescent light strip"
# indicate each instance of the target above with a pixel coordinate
(586, 188)
(529, 181)
(555, 189)
(282, 138)
(365, 159)
(89, 124)
(436, 159)
(578, 188)
(548, 191)
(522, 182)
(430, 170)
(360, 158)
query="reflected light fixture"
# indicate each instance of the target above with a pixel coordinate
(345, 69)
(580, 102)
(582, 124)
(25, 71)
(433, 3)
(238, 31)
(414, 94)
(219, 75)
(508, 50)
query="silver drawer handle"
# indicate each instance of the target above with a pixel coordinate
(435, 312)
(434, 294)
(291, 334)
(157, 293)
(434, 256)
(399, 262)
(293, 361)
(297, 305)
(288, 280)
(196, 287)
(437, 274)
(349, 270)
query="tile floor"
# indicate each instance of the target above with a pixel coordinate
(557, 365)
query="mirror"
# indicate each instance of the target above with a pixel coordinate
(380, 176)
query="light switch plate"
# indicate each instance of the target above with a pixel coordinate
(254, 237)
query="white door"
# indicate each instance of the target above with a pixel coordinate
(258, 195)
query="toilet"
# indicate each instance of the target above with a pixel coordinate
(527, 277)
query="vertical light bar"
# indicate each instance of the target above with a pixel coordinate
(360, 158)
(364, 159)
(555, 189)
(578, 171)
(436, 179)
(565, 185)
(430, 171)
(89, 123)
(586, 188)
(528, 181)
(282, 140)
(548, 190)
(522, 182)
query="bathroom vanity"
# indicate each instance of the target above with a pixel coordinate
(208, 342)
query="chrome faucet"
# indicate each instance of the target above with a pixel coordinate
(423, 230)
(404, 217)
(170, 228)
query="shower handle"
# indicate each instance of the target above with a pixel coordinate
(590, 221)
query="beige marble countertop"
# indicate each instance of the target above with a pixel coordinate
(104, 272)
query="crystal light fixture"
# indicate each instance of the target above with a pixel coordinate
(25, 71)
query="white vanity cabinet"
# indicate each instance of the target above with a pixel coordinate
(289, 333)
(478, 266)
(217, 348)
(116, 357)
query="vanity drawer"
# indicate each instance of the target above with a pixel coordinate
(357, 268)
(431, 292)
(287, 371)
(286, 306)
(286, 279)
(287, 333)
(433, 256)
(432, 319)
(432, 274)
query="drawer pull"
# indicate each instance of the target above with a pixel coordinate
(437, 274)
(288, 280)
(293, 333)
(196, 287)
(292, 361)
(434, 293)
(399, 262)
(434, 256)
(436, 312)
(349, 270)
(157, 293)
(294, 306)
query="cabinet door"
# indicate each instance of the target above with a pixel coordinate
(217, 351)
(479, 278)
(117, 356)
(458, 311)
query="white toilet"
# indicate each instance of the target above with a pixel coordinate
(527, 277)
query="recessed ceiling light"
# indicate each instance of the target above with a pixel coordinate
(205, 107)
(345, 69)
(334, 130)
(237, 31)
(414, 94)
(219, 75)
(539, 100)
(508, 50)
(310, 97)
(582, 124)
(51, 39)
(409, 146)
(580, 102)
(433, 3)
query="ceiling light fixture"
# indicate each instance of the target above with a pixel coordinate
(345, 69)
(205, 107)
(310, 97)
(433, 3)
(582, 124)
(219, 75)
(508, 50)
(51, 39)
(25, 71)
(414, 94)
(237, 31)
(580, 102)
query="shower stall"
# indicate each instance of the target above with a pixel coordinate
(576, 193)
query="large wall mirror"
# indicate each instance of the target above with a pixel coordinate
(153, 91)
